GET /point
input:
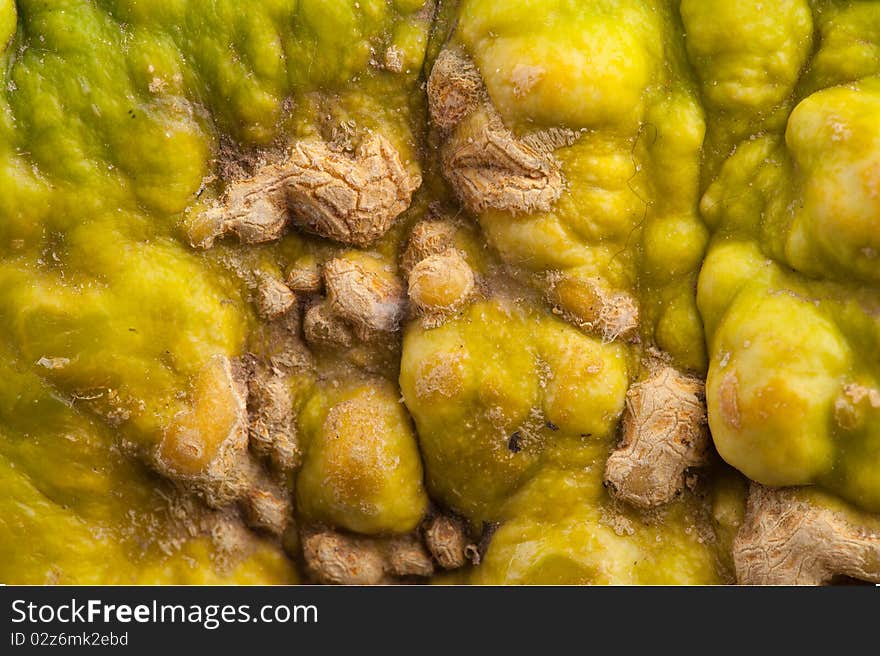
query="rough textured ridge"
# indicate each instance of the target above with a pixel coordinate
(665, 432)
(337, 558)
(789, 539)
(487, 165)
(352, 199)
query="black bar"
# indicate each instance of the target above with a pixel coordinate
(461, 620)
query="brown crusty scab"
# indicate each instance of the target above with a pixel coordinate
(793, 536)
(352, 198)
(665, 433)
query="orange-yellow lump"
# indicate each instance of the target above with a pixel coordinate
(789, 288)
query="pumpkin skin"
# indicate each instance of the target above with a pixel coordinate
(211, 211)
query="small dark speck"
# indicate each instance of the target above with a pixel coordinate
(586, 435)
(132, 330)
(552, 426)
(513, 443)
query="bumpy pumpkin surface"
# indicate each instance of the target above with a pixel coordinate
(387, 291)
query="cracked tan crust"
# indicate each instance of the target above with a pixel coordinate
(271, 424)
(665, 433)
(305, 278)
(252, 209)
(787, 538)
(368, 300)
(322, 326)
(268, 510)
(407, 556)
(274, 298)
(349, 198)
(353, 200)
(336, 558)
(455, 89)
(272, 429)
(448, 541)
(488, 166)
(430, 237)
